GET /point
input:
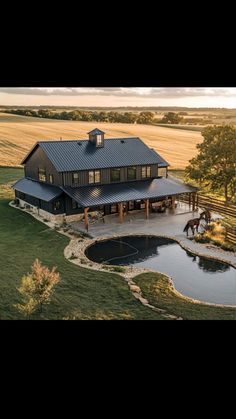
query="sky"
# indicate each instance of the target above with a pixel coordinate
(216, 97)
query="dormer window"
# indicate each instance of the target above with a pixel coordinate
(99, 140)
(96, 137)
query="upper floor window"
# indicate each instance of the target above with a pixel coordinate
(42, 175)
(75, 178)
(131, 173)
(50, 178)
(115, 175)
(94, 176)
(162, 172)
(146, 172)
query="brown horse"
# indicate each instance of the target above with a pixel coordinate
(206, 215)
(191, 224)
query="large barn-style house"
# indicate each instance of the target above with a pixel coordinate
(67, 179)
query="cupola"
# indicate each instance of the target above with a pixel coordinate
(96, 137)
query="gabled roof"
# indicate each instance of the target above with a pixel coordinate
(96, 131)
(37, 189)
(73, 155)
(89, 196)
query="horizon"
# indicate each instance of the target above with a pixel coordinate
(120, 97)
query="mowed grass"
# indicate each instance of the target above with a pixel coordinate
(156, 289)
(81, 294)
(19, 133)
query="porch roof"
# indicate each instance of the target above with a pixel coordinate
(37, 189)
(90, 196)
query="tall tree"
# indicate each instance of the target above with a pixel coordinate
(37, 287)
(215, 164)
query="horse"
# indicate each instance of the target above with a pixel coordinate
(191, 224)
(206, 215)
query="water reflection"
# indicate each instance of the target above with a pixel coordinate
(208, 265)
(197, 277)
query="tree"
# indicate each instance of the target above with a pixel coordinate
(37, 288)
(215, 164)
(145, 117)
(171, 118)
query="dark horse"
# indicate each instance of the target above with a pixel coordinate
(191, 224)
(206, 215)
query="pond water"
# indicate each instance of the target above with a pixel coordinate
(197, 277)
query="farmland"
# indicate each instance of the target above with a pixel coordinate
(19, 133)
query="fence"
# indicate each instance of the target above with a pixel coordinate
(212, 204)
(230, 235)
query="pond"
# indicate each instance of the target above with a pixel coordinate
(196, 277)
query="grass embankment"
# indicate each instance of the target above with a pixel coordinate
(155, 287)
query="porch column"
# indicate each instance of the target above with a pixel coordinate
(86, 218)
(194, 197)
(147, 208)
(173, 202)
(196, 200)
(189, 199)
(121, 213)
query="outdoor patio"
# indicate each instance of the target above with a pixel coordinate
(172, 222)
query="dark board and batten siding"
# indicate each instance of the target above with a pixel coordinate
(105, 176)
(39, 203)
(37, 160)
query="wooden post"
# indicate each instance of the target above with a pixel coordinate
(194, 196)
(147, 208)
(197, 200)
(86, 218)
(121, 213)
(189, 199)
(173, 202)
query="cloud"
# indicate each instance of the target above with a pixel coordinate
(145, 92)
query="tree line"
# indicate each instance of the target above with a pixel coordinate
(144, 117)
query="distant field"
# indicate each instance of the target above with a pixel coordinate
(19, 133)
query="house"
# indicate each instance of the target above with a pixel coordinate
(67, 179)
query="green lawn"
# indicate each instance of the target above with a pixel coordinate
(156, 289)
(82, 293)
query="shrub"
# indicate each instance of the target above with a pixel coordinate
(73, 256)
(117, 269)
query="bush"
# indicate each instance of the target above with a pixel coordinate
(73, 256)
(201, 238)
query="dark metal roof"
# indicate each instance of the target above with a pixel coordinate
(163, 162)
(117, 152)
(88, 196)
(96, 131)
(37, 189)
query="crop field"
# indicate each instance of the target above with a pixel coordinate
(19, 133)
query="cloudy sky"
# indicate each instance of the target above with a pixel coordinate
(119, 96)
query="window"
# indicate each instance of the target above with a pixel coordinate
(162, 171)
(74, 204)
(146, 172)
(75, 178)
(94, 176)
(42, 175)
(57, 205)
(51, 178)
(99, 140)
(113, 209)
(131, 173)
(115, 175)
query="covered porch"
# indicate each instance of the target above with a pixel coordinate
(143, 199)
